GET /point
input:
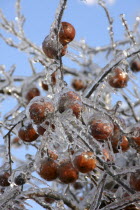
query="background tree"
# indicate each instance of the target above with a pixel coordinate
(81, 149)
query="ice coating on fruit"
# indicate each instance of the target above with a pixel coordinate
(101, 129)
(39, 109)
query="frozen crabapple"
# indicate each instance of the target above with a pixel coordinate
(135, 180)
(135, 65)
(67, 33)
(27, 133)
(78, 84)
(67, 173)
(4, 179)
(85, 162)
(71, 100)
(51, 49)
(101, 128)
(48, 169)
(39, 109)
(123, 143)
(31, 93)
(136, 134)
(118, 78)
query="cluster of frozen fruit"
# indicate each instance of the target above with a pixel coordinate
(54, 48)
(118, 77)
(41, 109)
(66, 171)
(100, 127)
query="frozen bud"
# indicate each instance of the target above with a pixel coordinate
(67, 173)
(118, 78)
(131, 207)
(67, 33)
(39, 109)
(4, 179)
(41, 130)
(85, 162)
(106, 155)
(53, 78)
(44, 86)
(20, 179)
(135, 180)
(48, 169)
(52, 49)
(77, 185)
(135, 65)
(49, 200)
(101, 128)
(52, 155)
(15, 141)
(78, 84)
(31, 93)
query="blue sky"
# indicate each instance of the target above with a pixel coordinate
(90, 23)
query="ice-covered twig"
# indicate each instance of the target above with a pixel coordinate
(130, 35)
(107, 69)
(110, 20)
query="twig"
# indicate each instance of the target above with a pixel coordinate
(107, 69)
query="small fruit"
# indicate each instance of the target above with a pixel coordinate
(124, 144)
(33, 92)
(48, 169)
(4, 179)
(101, 129)
(67, 33)
(39, 110)
(135, 65)
(118, 78)
(77, 108)
(51, 49)
(85, 162)
(78, 84)
(27, 133)
(20, 179)
(71, 100)
(135, 180)
(67, 173)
